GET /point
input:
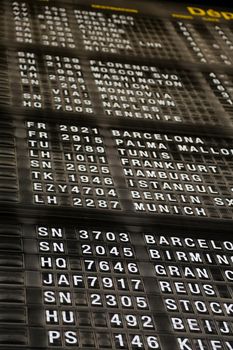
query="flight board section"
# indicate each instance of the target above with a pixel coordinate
(113, 91)
(73, 285)
(121, 171)
(110, 30)
(116, 67)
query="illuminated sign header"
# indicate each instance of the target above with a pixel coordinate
(196, 11)
(205, 14)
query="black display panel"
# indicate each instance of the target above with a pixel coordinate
(116, 158)
(96, 287)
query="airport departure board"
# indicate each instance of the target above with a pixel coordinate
(116, 175)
